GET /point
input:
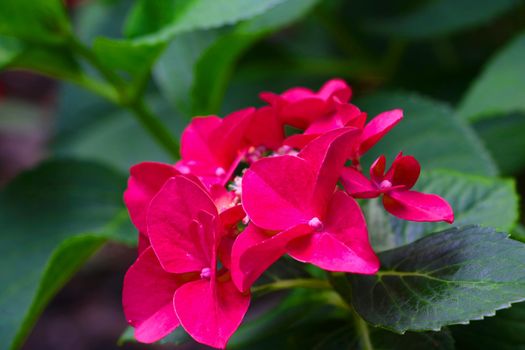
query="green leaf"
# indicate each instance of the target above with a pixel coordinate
(52, 218)
(215, 66)
(431, 132)
(505, 331)
(451, 277)
(36, 21)
(194, 71)
(440, 17)
(476, 200)
(174, 71)
(158, 21)
(56, 61)
(126, 55)
(503, 136)
(499, 89)
(385, 340)
(10, 48)
(91, 128)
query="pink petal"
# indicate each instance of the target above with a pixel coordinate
(211, 311)
(195, 140)
(344, 114)
(228, 140)
(143, 243)
(299, 141)
(177, 238)
(231, 216)
(327, 155)
(377, 170)
(147, 298)
(265, 129)
(145, 180)
(417, 206)
(404, 171)
(343, 243)
(336, 88)
(357, 185)
(256, 249)
(379, 127)
(276, 192)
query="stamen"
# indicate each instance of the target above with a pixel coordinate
(183, 169)
(385, 184)
(316, 224)
(206, 273)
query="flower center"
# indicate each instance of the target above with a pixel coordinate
(316, 224)
(206, 273)
(385, 184)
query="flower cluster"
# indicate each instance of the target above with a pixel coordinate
(244, 194)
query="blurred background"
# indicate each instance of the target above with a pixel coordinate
(466, 58)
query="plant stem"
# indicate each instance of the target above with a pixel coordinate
(116, 92)
(90, 57)
(310, 283)
(342, 286)
(155, 127)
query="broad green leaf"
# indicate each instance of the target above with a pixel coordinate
(499, 90)
(52, 218)
(503, 136)
(158, 21)
(451, 277)
(215, 66)
(42, 21)
(518, 233)
(57, 62)
(431, 132)
(505, 331)
(386, 340)
(194, 70)
(126, 55)
(175, 70)
(10, 48)
(476, 200)
(440, 17)
(96, 130)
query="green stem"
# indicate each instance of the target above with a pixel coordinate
(342, 286)
(155, 127)
(310, 283)
(90, 57)
(105, 90)
(117, 93)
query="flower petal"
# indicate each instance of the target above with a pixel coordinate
(174, 232)
(210, 311)
(336, 88)
(343, 244)
(195, 140)
(147, 298)
(417, 206)
(265, 129)
(145, 180)
(377, 128)
(404, 171)
(255, 250)
(377, 170)
(276, 192)
(357, 185)
(327, 155)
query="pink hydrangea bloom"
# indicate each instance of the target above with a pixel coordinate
(395, 187)
(243, 195)
(177, 279)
